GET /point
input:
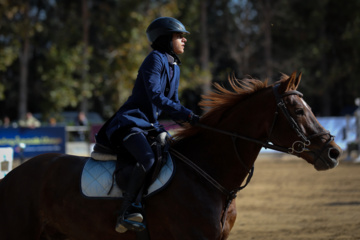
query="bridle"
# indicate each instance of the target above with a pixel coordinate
(296, 148)
(300, 145)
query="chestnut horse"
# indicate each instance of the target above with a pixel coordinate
(42, 199)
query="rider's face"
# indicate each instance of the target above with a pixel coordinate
(178, 41)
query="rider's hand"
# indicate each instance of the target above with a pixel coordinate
(193, 119)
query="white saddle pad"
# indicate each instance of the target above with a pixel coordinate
(96, 179)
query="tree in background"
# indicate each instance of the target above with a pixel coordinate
(320, 38)
(21, 20)
(84, 55)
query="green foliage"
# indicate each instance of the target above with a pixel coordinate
(60, 76)
(324, 45)
(7, 57)
(66, 67)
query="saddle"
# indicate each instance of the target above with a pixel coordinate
(124, 163)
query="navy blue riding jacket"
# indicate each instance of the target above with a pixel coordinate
(153, 93)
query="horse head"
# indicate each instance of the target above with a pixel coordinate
(298, 129)
(250, 115)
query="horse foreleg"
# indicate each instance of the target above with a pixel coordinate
(229, 221)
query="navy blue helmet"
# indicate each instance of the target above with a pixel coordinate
(163, 26)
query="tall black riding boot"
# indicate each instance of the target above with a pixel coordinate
(126, 220)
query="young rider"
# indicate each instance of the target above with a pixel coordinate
(155, 91)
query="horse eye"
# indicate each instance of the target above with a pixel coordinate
(299, 111)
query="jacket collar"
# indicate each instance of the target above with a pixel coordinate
(171, 59)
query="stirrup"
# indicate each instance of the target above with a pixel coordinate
(133, 219)
(133, 226)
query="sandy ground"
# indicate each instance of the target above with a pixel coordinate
(288, 199)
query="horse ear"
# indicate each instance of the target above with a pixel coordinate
(288, 84)
(297, 81)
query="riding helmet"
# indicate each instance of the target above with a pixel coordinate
(163, 26)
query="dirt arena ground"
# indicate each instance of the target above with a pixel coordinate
(288, 199)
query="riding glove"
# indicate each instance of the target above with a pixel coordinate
(193, 119)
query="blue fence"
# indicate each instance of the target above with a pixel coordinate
(37, 141)
(53, 139)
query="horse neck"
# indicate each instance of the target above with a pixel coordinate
(215, 152)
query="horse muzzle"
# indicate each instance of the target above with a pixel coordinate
(328, 159)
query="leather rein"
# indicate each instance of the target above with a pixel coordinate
(296, 148)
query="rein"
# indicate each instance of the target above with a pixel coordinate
(230, 195)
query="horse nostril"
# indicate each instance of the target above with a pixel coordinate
(334, 153)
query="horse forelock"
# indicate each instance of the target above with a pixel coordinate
(283, 77)
(221, 100)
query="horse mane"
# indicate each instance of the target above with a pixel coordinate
(221, 100)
